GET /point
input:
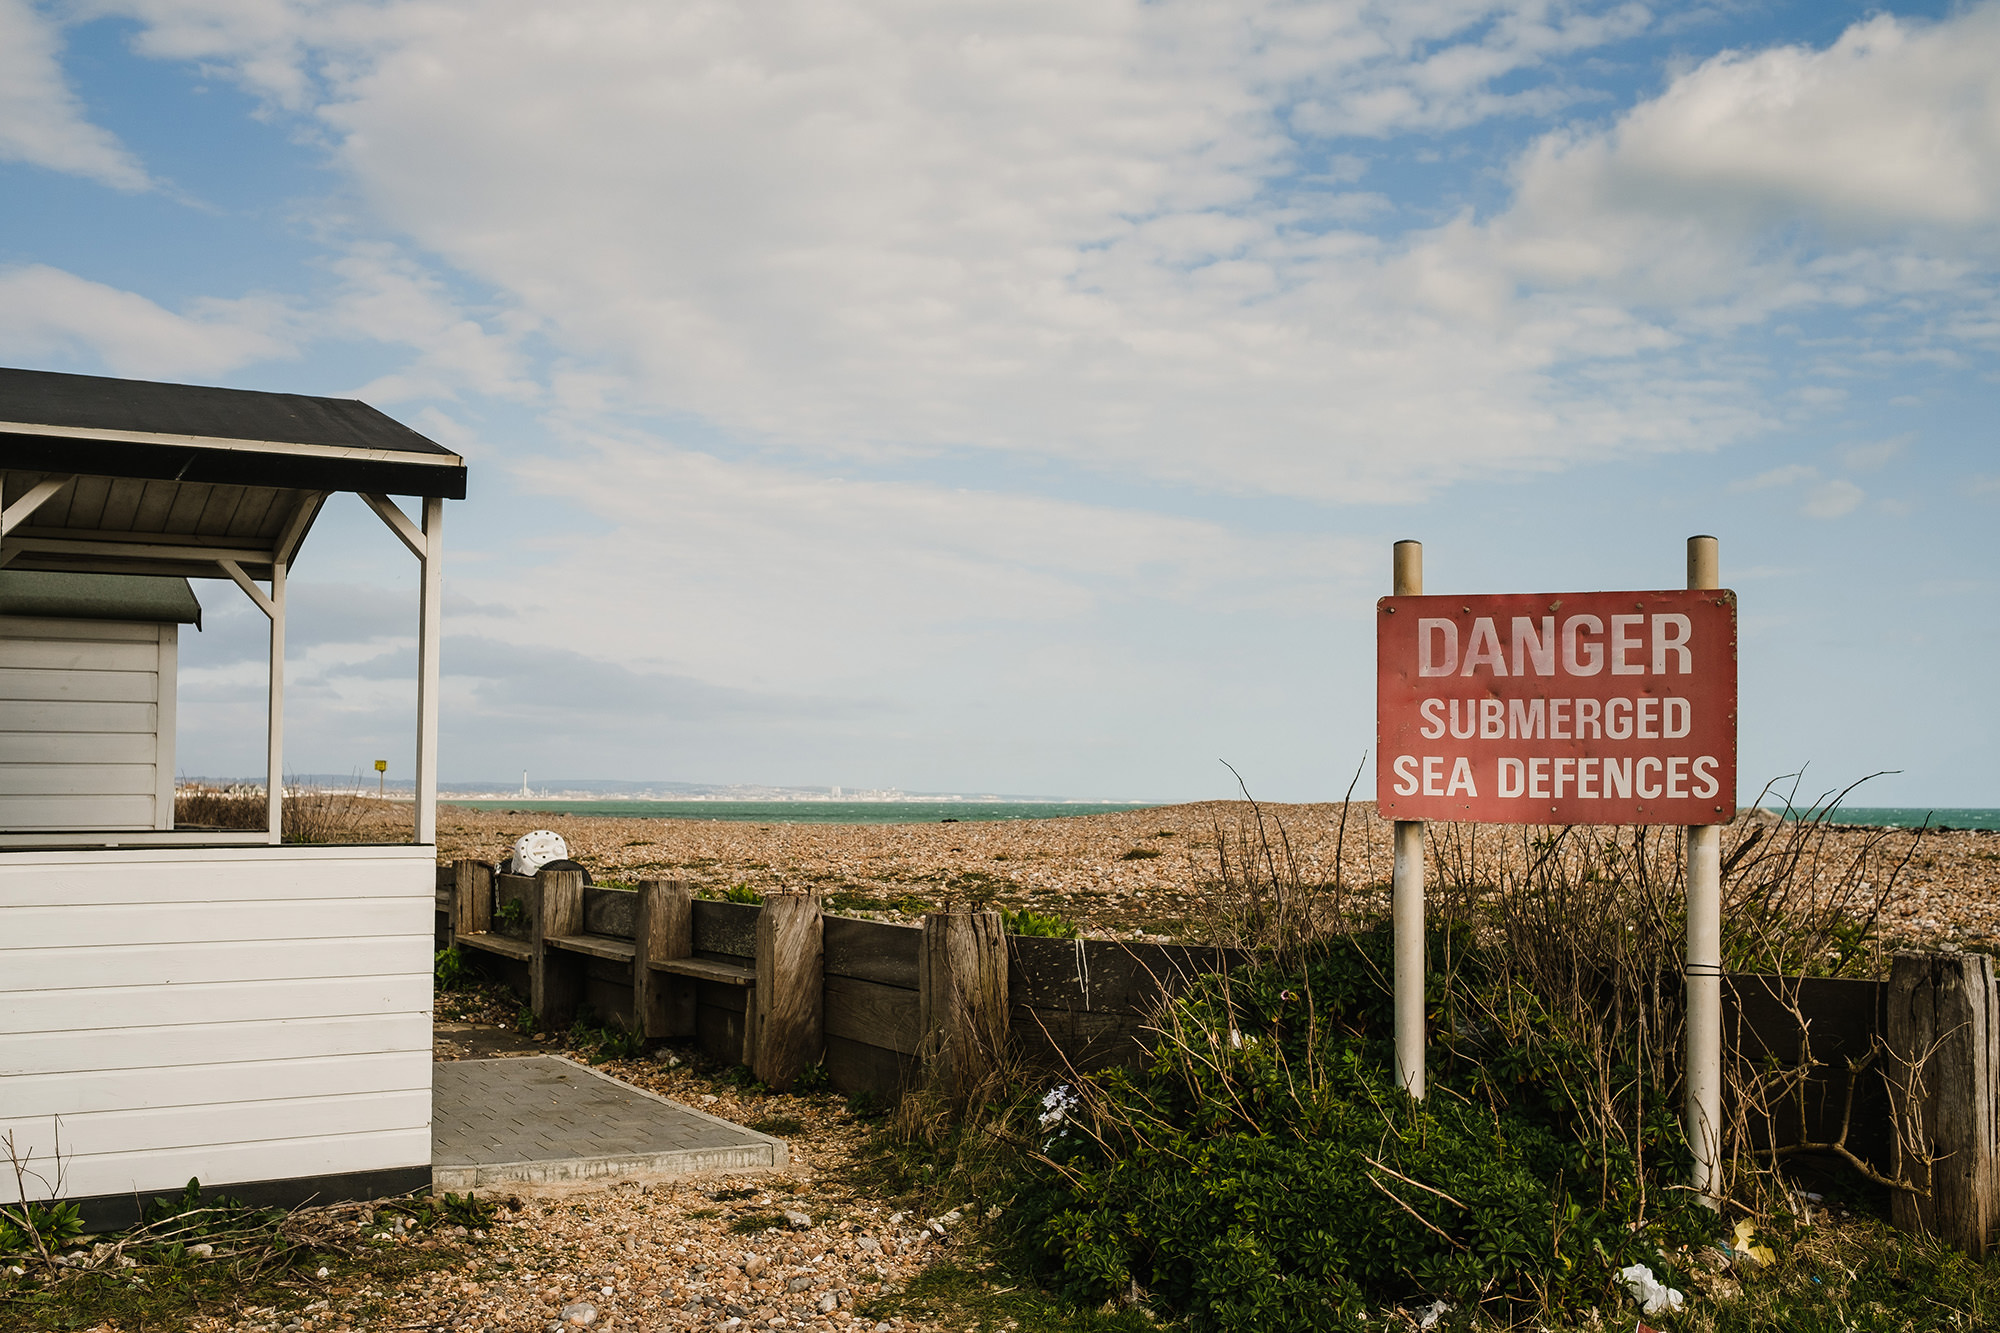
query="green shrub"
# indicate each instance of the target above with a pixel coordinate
(454, 970)
(36, 1228)
(1027, 921)
(1265, 1171)
(599, 1042)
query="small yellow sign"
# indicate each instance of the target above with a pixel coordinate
(381, 765)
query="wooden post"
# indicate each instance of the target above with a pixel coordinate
(1406, 892)
(472, 898)
(1943, 1022)
(789, 998)
(555, 975)
(962, 999)
(430, 615)
(663, 930)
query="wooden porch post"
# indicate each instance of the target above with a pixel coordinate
(430, 615)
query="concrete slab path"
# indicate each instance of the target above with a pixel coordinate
(543, 1118)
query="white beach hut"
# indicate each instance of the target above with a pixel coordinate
(182, 1003)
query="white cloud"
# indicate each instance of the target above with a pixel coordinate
(1078, 229)
(48, 314)
(1878, 453)
(868, 572)
(1067, 228)
(1889, 137)
(1789, 475)
(1833, 499)
(41, 120)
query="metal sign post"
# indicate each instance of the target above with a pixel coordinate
(1564, 708)
(1407, 891)
(1703, 1113)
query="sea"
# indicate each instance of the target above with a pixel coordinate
(1958, 817)
(816, 812)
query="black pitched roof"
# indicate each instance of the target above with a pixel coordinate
(51, 422)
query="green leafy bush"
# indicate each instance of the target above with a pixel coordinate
(1027, 921)
(1265, 1171)
(454, 971)
(510, 917)
(33, 1228)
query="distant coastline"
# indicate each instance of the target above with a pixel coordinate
(1913, 816)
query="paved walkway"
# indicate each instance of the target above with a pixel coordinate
(545, 1118)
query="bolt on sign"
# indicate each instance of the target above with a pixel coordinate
(1558, 708)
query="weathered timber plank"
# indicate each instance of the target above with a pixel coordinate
(609, 911)
(856, 1067)
(610, 971)
(557, 978)
(863, 1011)
(788, 1032)
(719, 1033)
(611, 1001)
(1832, 1020)
(1101, 975)
(962, 994)
(714, 995)
(472, 897)
(597, 946)
(1069, 1040)
(663, 930)
(498, 944)
(710, 970)
(872, 951)
(512, 889)
(1943, 1015)
(729, 928)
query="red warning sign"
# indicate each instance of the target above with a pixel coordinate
(1557, 708)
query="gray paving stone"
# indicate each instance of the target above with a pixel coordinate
(546, 1118)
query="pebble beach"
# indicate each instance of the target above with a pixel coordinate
(1155, 872)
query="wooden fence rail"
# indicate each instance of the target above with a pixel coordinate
(781, 986)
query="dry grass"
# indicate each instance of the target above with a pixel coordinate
(312, 814)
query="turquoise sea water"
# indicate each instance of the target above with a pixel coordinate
(1912, 816)
(813, 812)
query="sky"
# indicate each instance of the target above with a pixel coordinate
(1024, 397)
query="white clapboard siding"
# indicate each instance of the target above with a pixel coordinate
(232, 1013)
(111, 687)
(39, 717)
(191, 963)
(196, 1043)
(50, 813)
(73, 779)
(78, 655)
(78, 747)
(196, 1002)
(223, 1123)
(205, 1085)
(191, 923)
(162, 1171)
(86, 725)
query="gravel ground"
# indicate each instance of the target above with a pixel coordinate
(798, 1250)
(1147, 872)
(721, 1253)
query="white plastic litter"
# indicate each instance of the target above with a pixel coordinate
(1653, 1295)
(1429, 1318)
(534, 850)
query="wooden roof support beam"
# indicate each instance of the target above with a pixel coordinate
(15, 514)
(264, 603)
(399, 523)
